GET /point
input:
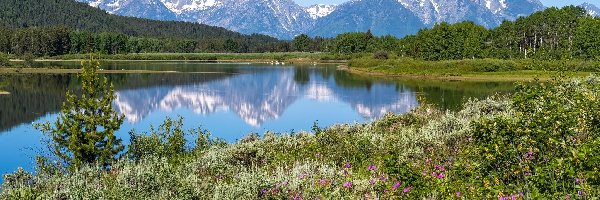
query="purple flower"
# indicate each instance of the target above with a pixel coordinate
(577, 181)
(424, 173)
(442, 169)
(298, 196)
(568, 196)
(457, 194)
(345, 172)
(434, 174)
(382, 177)
(513, 197)
(397, 185)
(372, 168)
(347, 165)
(579, 193)
(348, 185)
(441, 176)
(372, 182)
(437, 167)
(323, 181)
(406, 190)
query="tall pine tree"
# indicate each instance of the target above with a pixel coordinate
(84, 132)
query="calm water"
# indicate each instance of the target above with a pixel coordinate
(229, 100)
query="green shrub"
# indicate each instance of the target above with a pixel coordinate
(381, 55)
(545, 147)
(4, 60)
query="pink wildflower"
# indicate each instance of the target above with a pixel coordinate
(348, 185)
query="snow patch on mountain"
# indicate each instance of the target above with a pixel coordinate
(591, 9)
(320, 10)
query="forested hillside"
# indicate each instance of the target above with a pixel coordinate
(550, 34)
(29, 22)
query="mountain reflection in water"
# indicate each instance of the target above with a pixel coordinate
(263, 95)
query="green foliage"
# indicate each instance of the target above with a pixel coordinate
(85, 130)
(381, 55)
(545, 148)
(4, 60)
(28, 60)
(301, 43)
(168, 141)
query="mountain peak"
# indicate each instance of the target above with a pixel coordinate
(591, 9)
(320, 10)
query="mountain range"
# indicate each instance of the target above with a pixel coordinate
(285, 19)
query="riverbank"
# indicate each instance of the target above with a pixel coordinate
(284, 57)
(499, 147)
(471, 70)
(75, 71)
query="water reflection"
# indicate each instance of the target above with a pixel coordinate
(263, 95)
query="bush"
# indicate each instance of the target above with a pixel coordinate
(381, 55)
(28, 60)
(545, 148)
(4, 60)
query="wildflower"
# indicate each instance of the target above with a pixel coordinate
(457, 194)
(347, 165)
(348, 185)
(298, 196)
(372, 182)
(434, 174)
(345, 172)
(372, 168)
(324, 181)
(397, 185)
(427, 161)
(382, 177)
(568, 196)
(406, 190)
(424, 173)
(441, 176)
(579, 193)
(318, 155)
(437, 167)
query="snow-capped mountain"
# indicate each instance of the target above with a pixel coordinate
(320, 10)
(591, 9)
(286, 19)
(150, 9)
(380, 16)
(489, 13)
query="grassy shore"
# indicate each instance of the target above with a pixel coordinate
(74, 71)
(472, 69)
(539, 143)
(292, 57)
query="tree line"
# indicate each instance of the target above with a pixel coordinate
(550, 34)
(53, 41)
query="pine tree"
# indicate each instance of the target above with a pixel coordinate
(84, 132)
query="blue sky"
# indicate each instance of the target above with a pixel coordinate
(558, 3)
